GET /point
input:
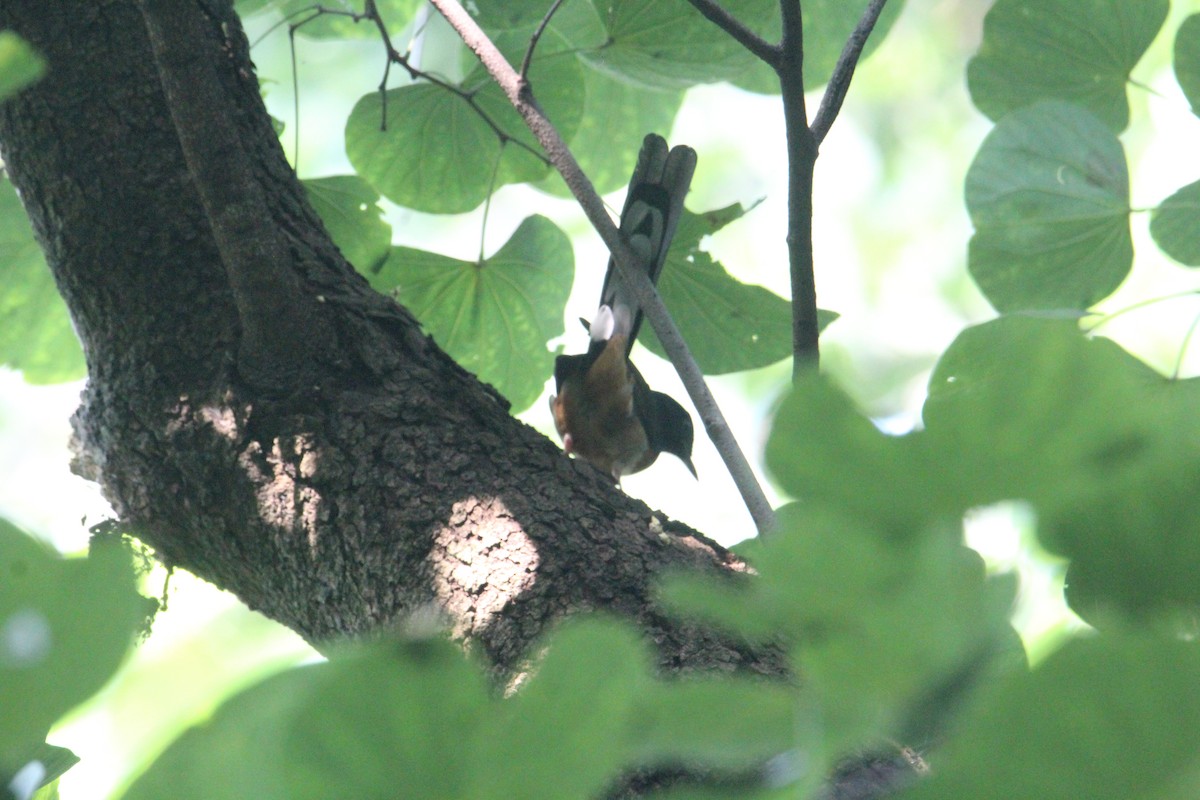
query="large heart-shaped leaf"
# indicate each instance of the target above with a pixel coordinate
(1080, 51)
(493, 317)
(1048, 194)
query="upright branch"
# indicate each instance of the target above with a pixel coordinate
(802, 158)
(516, 88)
(803, 142)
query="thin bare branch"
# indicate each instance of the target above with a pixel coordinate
(394, 56)
(747, 38)
(533, 40)
(843, 73)
(518, 93)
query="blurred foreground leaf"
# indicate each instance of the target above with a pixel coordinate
(65, 626)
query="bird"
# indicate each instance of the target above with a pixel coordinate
(603, 409)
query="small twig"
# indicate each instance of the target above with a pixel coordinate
(517, 91)
(802, 158)
(394, 56)
(747, 38)
(839, 82)
(312, 11)
(533, 40)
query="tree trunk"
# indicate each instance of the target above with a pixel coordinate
(254, 411)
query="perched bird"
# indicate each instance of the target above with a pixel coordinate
(604, 411)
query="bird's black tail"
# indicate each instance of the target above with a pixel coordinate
(652, 210)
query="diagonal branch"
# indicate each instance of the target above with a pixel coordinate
(516, 88)
(747, 38)
(839, 82)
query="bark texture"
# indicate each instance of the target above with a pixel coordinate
(383, 479)
(368, 479)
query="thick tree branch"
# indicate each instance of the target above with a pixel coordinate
(839, 82)
(802, 158)
(396, 482)
(716, 14)
(277, 347)
(517, 89)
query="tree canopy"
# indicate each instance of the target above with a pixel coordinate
(280, 399)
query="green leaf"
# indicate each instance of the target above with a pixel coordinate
(566, 734)
(504, 15)
(436, 155)
(1187, 60)
(827, 26)
(1103, 447)
(349, 208)
(823, 449)
(557, 78)
(1106, 718)
(730, 723)
(65, 626)
(389, 717)
(237, 753)
(35, 774)
(1175, 225)
(439, 154)
(666, 44)
(1080, 51)
(1022, 399)
(20, 64)
(55, 760)
(36, 335)
(494, 318)
(729, 325)
(875, 623)
(375, 718)
(1048, 194)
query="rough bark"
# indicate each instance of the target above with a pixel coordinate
(391, 480)
(378, 478)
